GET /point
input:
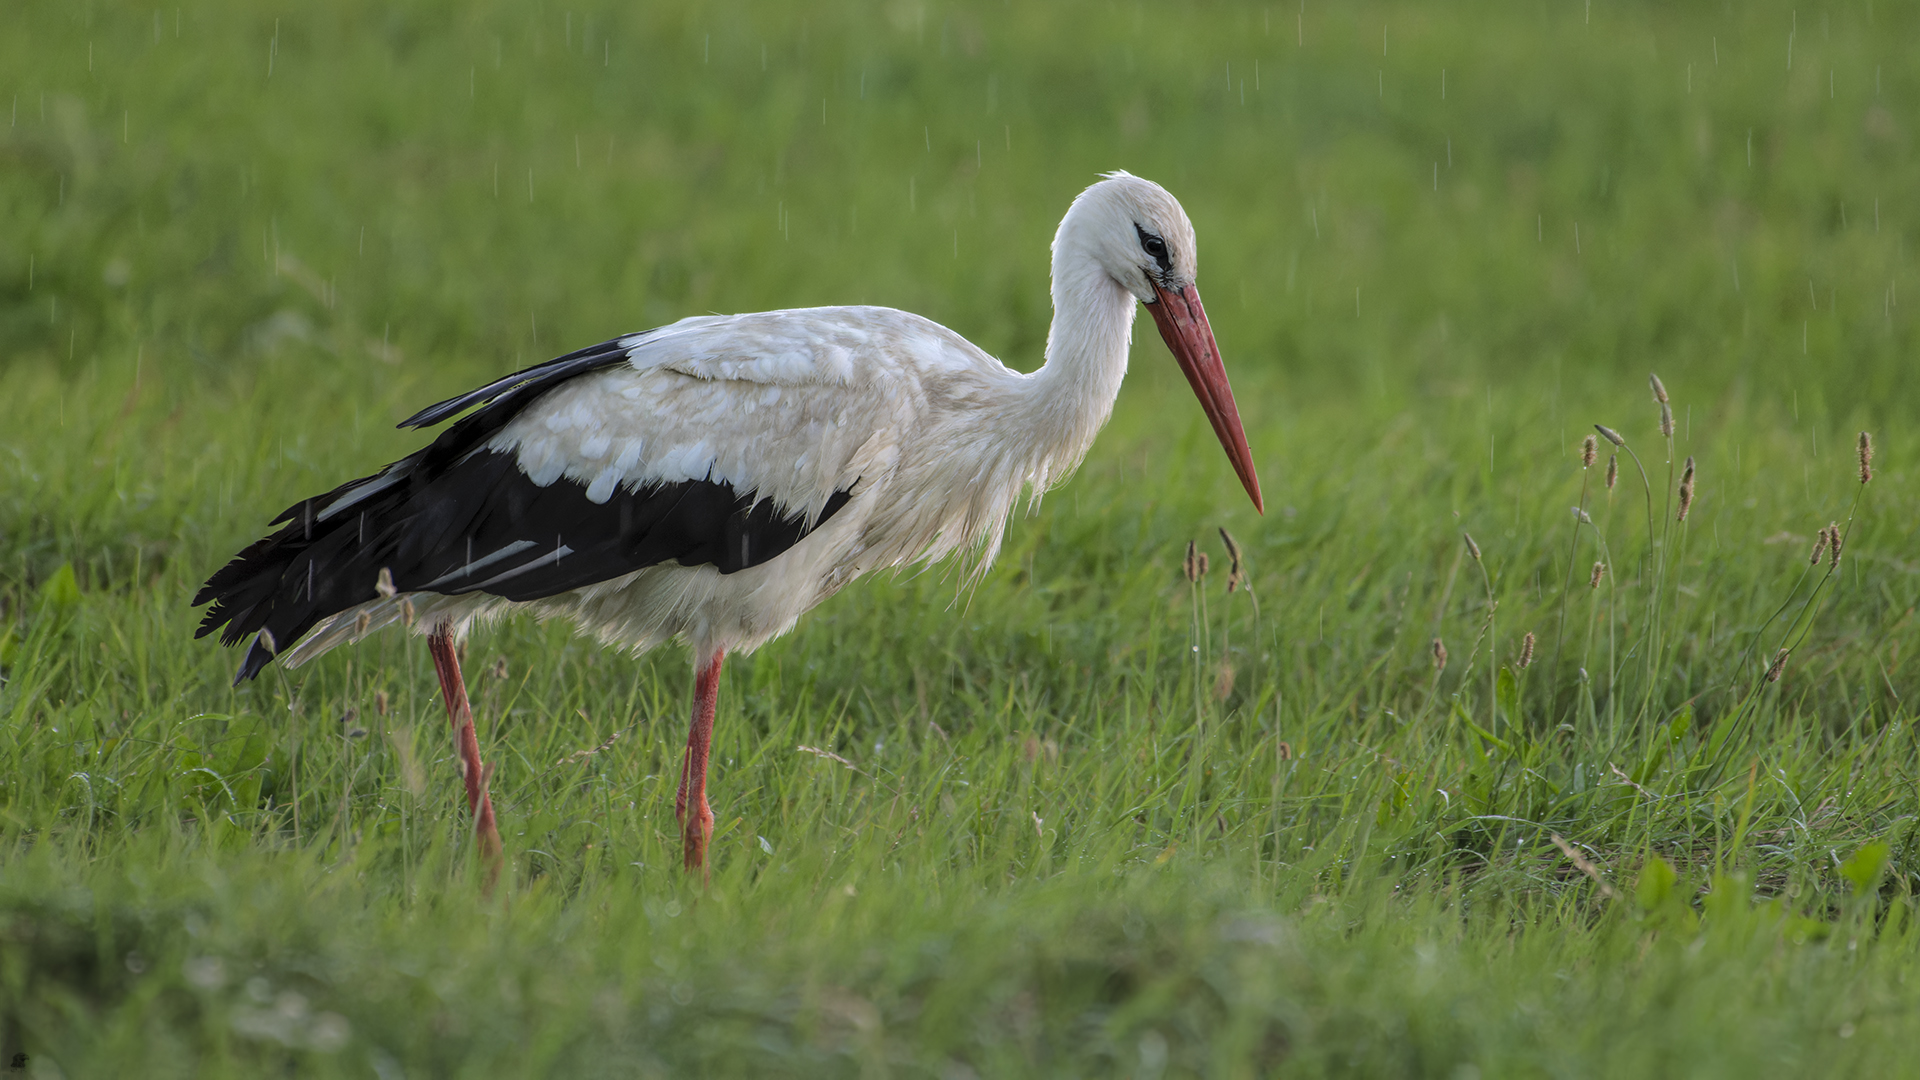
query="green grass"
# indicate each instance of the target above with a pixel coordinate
(1084, 819)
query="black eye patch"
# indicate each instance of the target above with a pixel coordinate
(1156, 248)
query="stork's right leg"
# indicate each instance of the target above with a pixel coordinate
(453, 689)
(690, 804)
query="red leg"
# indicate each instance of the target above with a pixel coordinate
(690, 805)
(453, 689)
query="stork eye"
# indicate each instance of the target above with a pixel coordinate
(1155, 248)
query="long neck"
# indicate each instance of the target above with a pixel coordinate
(1064, 404)
(1037, 428)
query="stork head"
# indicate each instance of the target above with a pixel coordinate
(1136, 232)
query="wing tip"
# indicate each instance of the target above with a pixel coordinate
(256, 660)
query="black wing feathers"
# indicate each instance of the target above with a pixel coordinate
(454, 518)
(528, 383)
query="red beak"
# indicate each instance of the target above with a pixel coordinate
(1183, 323)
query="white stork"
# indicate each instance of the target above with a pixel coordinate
(712, 480)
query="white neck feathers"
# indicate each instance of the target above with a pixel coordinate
(1063, 405)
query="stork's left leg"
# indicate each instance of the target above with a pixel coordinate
(690, 804)
(453, 689)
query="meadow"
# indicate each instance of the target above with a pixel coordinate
(1487, 766)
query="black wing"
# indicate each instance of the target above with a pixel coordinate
(454, 518)
(517, 389)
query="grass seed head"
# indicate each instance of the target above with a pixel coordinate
(1236, 573)
(266, 642)
(1866, 457)
(1526, 651)
(1223, 683)
(1439, 656)
(380, 702)
(1580, 514)
(1686, 490)
(1659, 389)
(1473, 549)
(384, 583)
(1613, 470)
(1233, 547)
(1666, 420)
(1599, 571)
(361, 624)
(1589, 449)
(1833, 544)
(1610, 435)
(1195, 566)
(1779, 665)
(1819, 548)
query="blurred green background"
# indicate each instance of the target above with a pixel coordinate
(238, 242)
(1717, 193)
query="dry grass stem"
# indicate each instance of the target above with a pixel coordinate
(1581, 862)
(582, 755)
(828, 754)
(1628, 780)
